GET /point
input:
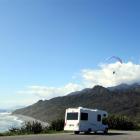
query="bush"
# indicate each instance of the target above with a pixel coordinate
(36, 128)
(119, 122)
(28, 128)
(57, 125)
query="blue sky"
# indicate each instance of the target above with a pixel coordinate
(47, 42)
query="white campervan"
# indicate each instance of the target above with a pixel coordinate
(85, 120)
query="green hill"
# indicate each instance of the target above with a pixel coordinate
(126, 102)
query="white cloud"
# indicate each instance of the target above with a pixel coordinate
(17, 103)
(45, 92)
(112, 74)
(103, 75)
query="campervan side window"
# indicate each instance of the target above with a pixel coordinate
(72, 116)
(98, 117)
(84, 116)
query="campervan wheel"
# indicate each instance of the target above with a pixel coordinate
(76, 132)
(106, 131)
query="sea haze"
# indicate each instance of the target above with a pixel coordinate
(8, 121)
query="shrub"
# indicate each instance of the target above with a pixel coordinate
(57, 125)
(34, 127)
(119, 122)
(28, 128)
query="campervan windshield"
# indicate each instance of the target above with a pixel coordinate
(72, 116)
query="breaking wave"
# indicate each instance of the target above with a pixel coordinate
(7, 121)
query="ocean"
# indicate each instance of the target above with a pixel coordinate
(7, 121)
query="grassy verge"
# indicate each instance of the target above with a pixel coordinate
(20, 134)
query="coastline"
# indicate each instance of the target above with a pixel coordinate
(30, 119)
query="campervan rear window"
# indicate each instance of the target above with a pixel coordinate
(72, 116)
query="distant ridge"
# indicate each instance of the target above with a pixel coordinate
(124, 87)
(126, 102)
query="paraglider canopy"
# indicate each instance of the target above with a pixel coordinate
(116, 58)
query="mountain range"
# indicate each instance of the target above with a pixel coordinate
(122, 99)
(124, 87)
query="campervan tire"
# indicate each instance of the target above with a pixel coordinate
(106, 131)
(88, 131)
(95, 132)
(76, 132)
